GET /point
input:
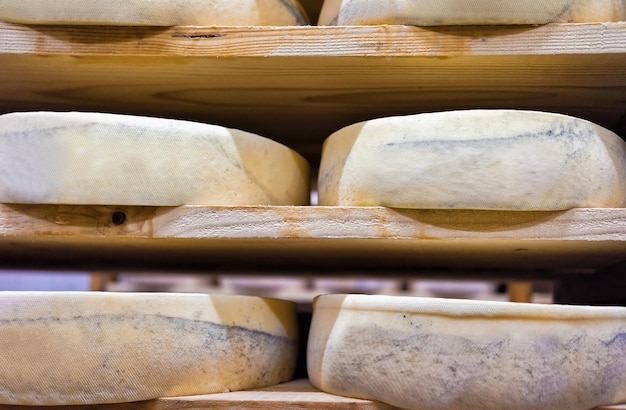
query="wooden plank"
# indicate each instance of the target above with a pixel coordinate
(315, 238)
(306, 41)
(298, 394)
(299, 84)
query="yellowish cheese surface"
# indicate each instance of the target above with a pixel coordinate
(155, 12)
(427, 354)
(451, 12)
(62, 348)
(92, 158)
(474, 159)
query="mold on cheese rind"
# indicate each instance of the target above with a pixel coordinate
(428, 354)
(480, 12)
(64, 348)
(474, 159)
(108, 159)
(156, 12)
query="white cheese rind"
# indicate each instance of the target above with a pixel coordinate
(474, 159)
(155, 12)
(451, 12)
(108, 159)
(432, 354)
(63, 348)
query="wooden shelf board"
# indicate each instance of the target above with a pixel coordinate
(318, 239)
(306, 41)
(286, 79)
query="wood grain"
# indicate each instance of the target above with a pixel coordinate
(308, 41)
(299, 84)
(318, 239)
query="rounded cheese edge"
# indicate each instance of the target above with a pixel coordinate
(440, 353)
(437, 12)
(474, 159)
(156, 12)
(109, 159)
(70, 348)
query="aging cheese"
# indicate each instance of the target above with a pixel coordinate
(474, 159)
(432, 354)
(92, 158)
(452, 12)
(155, 12)
(63, 348)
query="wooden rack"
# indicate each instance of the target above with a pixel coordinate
(297, 85)
(313, 240)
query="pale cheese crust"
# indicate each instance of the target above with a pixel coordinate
(93, 158)
(155, 12)
(428, 354)
(64, 348)
(474, 159)
(475, 12)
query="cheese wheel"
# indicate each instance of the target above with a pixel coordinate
(420, 353)
(91, 158)
(63, 348)
(452, 12)
(474, 159)
(155, 12)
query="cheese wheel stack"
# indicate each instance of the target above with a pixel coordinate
(428, 354)
(155, 12)
(477, 12)
(474, 159)
(64, 348)
(108, 159)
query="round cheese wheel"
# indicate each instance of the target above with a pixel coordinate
(155, 12)
(91, 158)
(474, 159)
(427, 354)
(453, 12)
(64, 348)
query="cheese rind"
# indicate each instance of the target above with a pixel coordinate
(155, 12)
(63, 348)
(450, 12)
(420, 353)
(474, 159)
(108, 159)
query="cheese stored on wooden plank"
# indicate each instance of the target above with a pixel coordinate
(63, 348)
(155, 12)
(477, 12)
(427, 354)
(474, 159)
(100, 159)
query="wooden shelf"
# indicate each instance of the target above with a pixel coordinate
(299, 84)
(316, 240)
